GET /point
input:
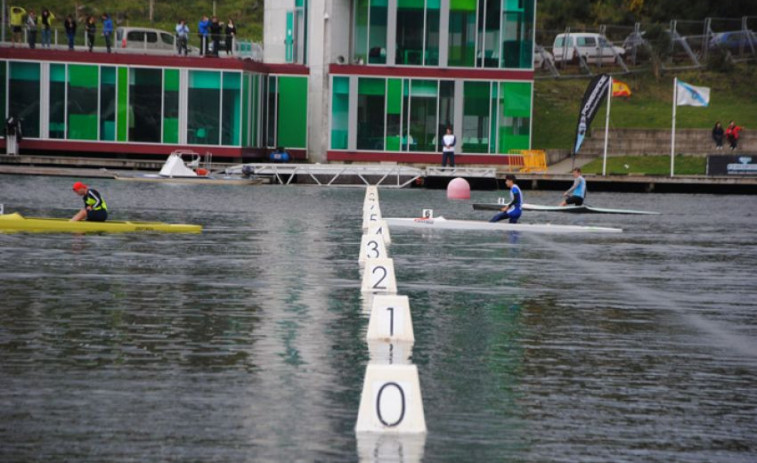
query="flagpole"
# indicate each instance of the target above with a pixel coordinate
(607, 127)
(673, 133)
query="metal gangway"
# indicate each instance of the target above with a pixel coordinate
(388, 176)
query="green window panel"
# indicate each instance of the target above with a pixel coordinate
(292, 112)
(370, 114)
(463, 5)
(246, 109)
(379, 14)
(122, 97)
(82, 126)
(514, 116)
(361, 29)
(24, 95)
(108, 103)
(231, 94)
(422, 115)
(171, 106)
(57, 122)
(255, 134)
(411, 4)
(83, 76)
(3, 97)
(394, 98)
(462, 37)
(340, 102)
(476, 117)
(83, 90)
(204, 108)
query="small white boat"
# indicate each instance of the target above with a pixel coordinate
(440, 223)
(178, 170)
(584, 209)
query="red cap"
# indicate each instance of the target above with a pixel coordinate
(79, 186)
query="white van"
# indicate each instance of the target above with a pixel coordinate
(593, 47)
(144, 38)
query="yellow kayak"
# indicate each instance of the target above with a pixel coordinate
(18, 223)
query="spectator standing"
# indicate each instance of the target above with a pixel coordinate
(70, 26)
(231, 33)
(215, 30)
(107, 30)
(31, 28)
(17, 23)
(448, 148)
(91, 31)
(732, 134)
(46, 18)
(717, 135)
(202, 33)
(182, 36)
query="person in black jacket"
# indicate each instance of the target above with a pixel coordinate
(717, 135)
(91, 31)
(70, 26)
(231, 33)
(215, 34)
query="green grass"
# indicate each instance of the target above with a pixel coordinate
(733, 97)
(648, 165)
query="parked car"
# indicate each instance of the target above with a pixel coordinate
(141, 37)
(733, 40)
(591, 46)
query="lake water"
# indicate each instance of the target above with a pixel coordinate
(247, 342)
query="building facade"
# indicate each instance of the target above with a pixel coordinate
(387, 77)
(342, 80)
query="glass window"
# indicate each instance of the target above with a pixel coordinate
(107, 103)
(514, 116)
(272, 105)
(431, 54)
(462, 32)
(145, 101)
(340, 102)
(517, 34)
(204, 108)
(123, 110)
(446, 110)
(421, 106)
(57, 128)
(171, 106)
(370, 30)
(489, 33)
(292, 122)
(231, 108)
(24, 96)
(370, 114)
(394, 101)
(3, 75)
(410, 32)
(83, 87)
(475, 133)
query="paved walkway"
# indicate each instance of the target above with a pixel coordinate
(566, 165)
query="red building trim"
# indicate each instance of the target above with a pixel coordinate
(417, 158)
(429, 72)
(137, 59)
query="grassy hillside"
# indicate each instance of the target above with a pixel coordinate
(733, 96)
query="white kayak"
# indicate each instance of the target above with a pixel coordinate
(441, 223)
(574, 209)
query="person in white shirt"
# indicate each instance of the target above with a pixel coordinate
(448, 148)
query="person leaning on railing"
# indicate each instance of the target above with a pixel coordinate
(70, 26)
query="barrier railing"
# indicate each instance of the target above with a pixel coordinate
(529, 160)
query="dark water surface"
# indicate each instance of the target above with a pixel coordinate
(246, 343)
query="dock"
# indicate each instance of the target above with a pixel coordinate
(385, 175)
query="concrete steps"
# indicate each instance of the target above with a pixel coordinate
(648, 141)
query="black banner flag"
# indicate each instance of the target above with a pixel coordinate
(593, 97)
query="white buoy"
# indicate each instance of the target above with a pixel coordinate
(371, 247)
(378, 277)
(390, 353)
(390, 319)
(377, 447)
(382, 229)
(391, 400)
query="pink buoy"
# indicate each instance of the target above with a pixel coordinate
(458, 188)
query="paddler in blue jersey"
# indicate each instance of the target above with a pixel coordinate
(576, 193)
(511, 210)
(95, 209)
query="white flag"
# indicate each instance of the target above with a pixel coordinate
(689, 95)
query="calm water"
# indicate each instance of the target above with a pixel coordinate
(246, 343)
